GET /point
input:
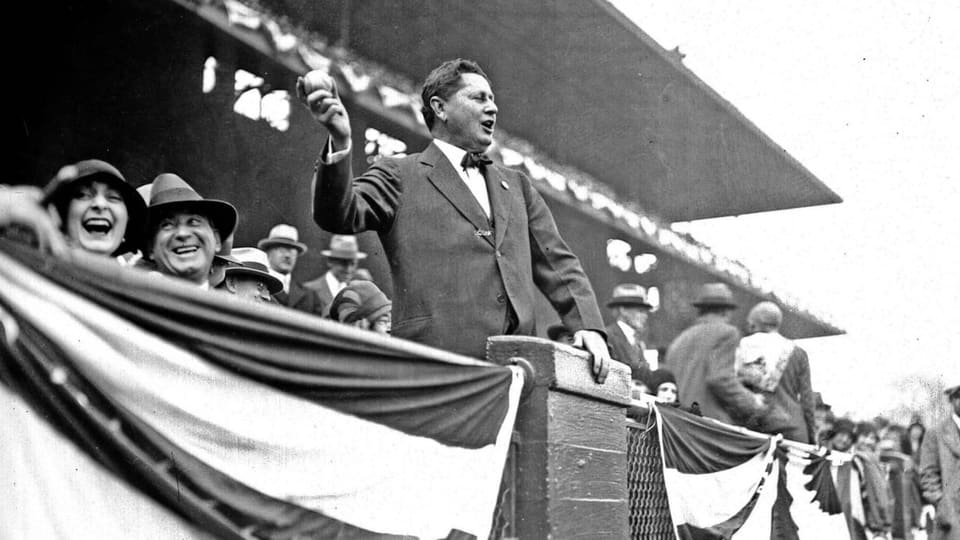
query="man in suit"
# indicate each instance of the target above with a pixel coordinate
(248, 277)
(702, 359)
(630, 308)
(342, 259)
(468, 242)
(778, 369)
(283, 247)
(940, 470)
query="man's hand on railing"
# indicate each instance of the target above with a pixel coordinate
(593, 343)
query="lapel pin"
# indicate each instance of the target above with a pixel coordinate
(504, 184)
(482, 232)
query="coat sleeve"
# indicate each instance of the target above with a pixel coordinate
(721, 380)
(931, 481)
(556, 269)
(346, 205)
(807, 401)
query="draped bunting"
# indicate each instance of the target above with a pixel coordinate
(725, 482)
(229, 418)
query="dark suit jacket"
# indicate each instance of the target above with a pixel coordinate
(323, 293)
(702, 359)
(300, 298)
(622, 351)
(455, 274)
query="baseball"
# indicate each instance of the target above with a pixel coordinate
(317, 80)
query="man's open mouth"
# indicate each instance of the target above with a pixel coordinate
(488, 125)
(185, 250)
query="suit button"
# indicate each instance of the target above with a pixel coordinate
(501, 298)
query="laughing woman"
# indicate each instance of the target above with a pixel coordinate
(88, 205)
(99, 211)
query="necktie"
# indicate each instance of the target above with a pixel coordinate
(475, 159)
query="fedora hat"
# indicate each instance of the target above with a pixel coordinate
(253, 262)
(170, 192)
(59, 192)
(344, 246)
(283, 235)
(715, 295)
(629, 294)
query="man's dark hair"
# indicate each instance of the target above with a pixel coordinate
(443, 81)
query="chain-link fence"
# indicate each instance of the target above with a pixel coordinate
(647, 496)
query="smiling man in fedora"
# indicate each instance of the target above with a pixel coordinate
(185, 230)
(342, 259)
(630, 308)
(702, 358)
(283, 247)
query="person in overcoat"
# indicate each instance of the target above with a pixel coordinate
(940, 471)
(468, 243)
(630, 308)
(702, 359)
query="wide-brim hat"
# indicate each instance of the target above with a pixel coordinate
(344, 246)
(59, 192)
(170, 192)
(629, 294)
(282, 235)
(715, 295)
(252, 262)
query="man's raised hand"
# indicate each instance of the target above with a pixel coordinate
(318, 92)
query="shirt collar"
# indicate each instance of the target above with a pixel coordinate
(629, 332)
(454, 153)
(956, 420)
(333, 283)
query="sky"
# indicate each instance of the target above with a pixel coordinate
(866, 94)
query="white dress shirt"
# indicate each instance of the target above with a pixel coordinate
(471, 177)
(334, 284)
(628, 332)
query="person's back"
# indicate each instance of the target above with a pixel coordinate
(691, 357)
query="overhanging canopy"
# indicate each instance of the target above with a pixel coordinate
(587, 86)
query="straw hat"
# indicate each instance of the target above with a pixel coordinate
(283, 235)
(629, 294)
(344, 246)
(253, 262)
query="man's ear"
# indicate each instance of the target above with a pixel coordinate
(438, 106)
(217, 244)
(230, 284)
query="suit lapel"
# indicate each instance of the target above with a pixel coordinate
(296, 293)
(498, 189)
(444, 177)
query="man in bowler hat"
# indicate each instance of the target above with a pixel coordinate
(342, 257)
(469, 243)
(630, 308)
(283, 247)
(702, 359)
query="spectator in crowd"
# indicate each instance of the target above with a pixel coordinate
(560, 334)
(940, 470)
(866, 437)
(250, 278)
(629, 306)
(913, 439)
(868, 510)
(283, 247)
(777, 369)
(702, 358)
(184, 230)
(823, 419)
(663, 386)
(450, 208)
(362, 304)
(88, 205)
(342, 259)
